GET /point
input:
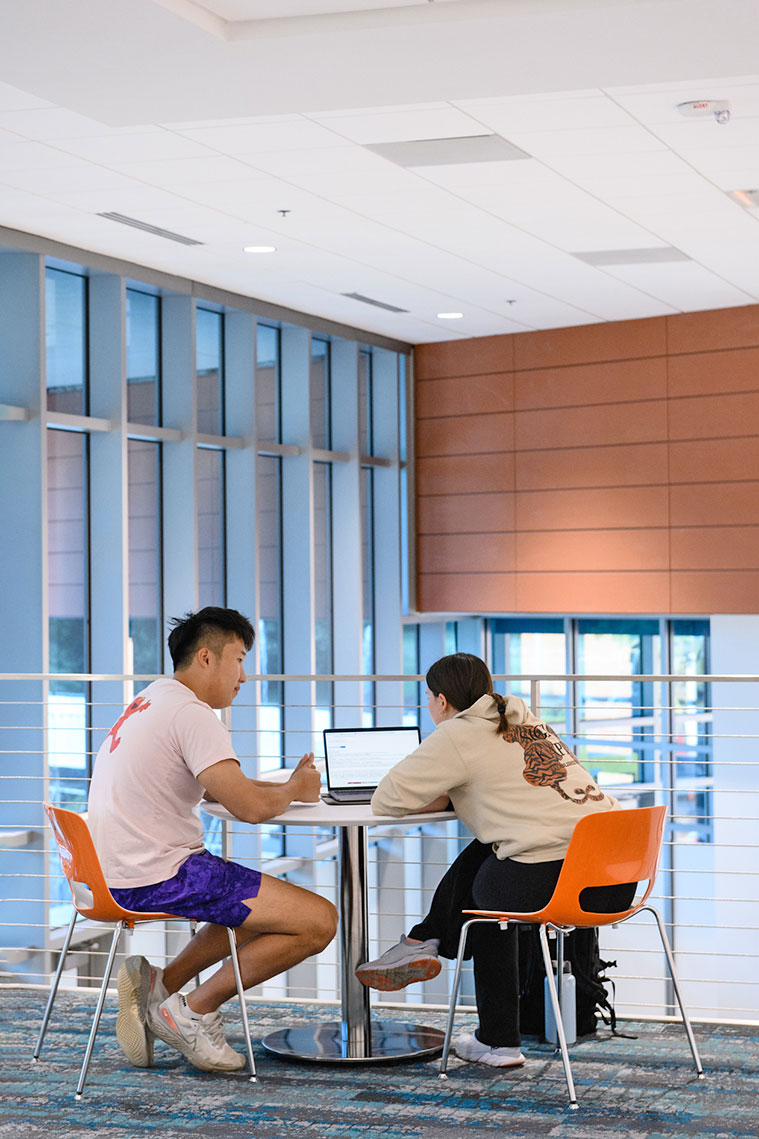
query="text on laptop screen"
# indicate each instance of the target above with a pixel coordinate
(361, 758)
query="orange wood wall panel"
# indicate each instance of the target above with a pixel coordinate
(589, 343)
(464, 357)
(713, 331)
(596, 508)
(610, 468)
(592, 593)
(703, 373)
(466, 593)
(465, 434)
(715, 504)
(715, 548)
(465, 513)
(464, 474)
(603, 423)
(636, 465)
(714, 460)
(465, 553)
(715, 592)
(620, 381)
(589, 550)
(715, 416)
(464, 395)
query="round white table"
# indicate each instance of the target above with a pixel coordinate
(355, 1038)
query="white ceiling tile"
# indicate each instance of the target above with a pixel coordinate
(581, 142)
(319, 160)
(176, 172)
(75, 176)
(133, 147)
(690, 135)
(386, 180)
(684, 285)
(124, 199)
(288, 133)
(34, 156)
(406, 126)
(520, 115)
(650, 163)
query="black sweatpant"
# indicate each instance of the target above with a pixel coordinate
(478, 880)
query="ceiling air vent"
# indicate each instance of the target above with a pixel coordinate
(147, 228)
(377, 304)
(653, 256)
(449, 151)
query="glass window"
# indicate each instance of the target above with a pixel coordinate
(68, 742)
(616, 721)
(211, 529)
(143, 357)
(691, 732)
(412, 689)
(268, 419)
(321, 434)
(209, 332)
(528, 647)
(270, 712)
(145, 595)
(365, 402)
(66, 341)
(367, 590)
(323, 592)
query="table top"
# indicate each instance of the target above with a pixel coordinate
(323, 814)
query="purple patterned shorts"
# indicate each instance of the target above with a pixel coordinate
(205, 888)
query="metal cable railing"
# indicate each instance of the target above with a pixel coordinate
(687, 741)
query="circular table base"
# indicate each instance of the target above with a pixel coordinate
(390, 1040)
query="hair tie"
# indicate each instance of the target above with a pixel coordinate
(501, 709)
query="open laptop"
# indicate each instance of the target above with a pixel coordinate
(357, 758)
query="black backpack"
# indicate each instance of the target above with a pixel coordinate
(581, 949)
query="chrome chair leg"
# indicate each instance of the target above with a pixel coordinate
(553, 990)
(455, 992)
(678, 991)
(54, 987)
(193, 930)
(243, 1006)
(99, 1008)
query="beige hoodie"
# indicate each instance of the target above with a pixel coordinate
(523, 792)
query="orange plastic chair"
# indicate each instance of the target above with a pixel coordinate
(606, 849)
(93, 900)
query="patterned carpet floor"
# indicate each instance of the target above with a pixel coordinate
(643, 1088)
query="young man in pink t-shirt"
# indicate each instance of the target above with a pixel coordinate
(165, 753)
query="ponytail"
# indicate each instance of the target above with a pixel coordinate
(500, 703)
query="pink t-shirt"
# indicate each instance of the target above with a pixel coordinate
(143, 807)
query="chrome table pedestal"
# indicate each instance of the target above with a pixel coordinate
(355, 1039)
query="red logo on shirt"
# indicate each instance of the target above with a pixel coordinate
(137, 705)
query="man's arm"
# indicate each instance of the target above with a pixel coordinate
(255, 800)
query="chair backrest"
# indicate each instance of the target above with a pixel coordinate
(607, 849)
(81, 865)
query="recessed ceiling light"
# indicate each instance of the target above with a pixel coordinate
(259, 249)
(450, 315)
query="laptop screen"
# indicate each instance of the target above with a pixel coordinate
(360, 757)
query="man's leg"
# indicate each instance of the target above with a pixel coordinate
(286, 924)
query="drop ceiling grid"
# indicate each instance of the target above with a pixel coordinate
(184, 179)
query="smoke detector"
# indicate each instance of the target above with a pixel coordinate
(705, 108)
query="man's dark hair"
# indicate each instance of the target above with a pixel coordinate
(462, 678)
(211, 627)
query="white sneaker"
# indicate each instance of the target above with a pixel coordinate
(401, 965)
(198, 1036)
(140, 984)
(468, 1047)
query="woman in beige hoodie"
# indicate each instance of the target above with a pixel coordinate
(520, 791)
